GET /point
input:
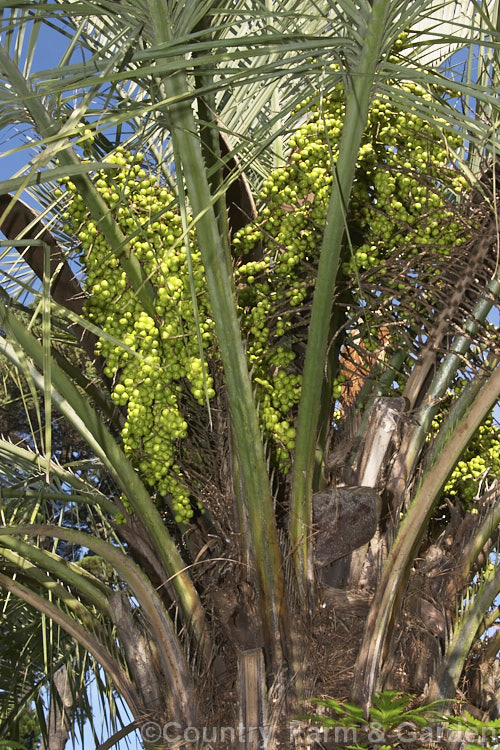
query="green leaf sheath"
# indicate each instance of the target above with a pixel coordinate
(214, 251)
(356, 116)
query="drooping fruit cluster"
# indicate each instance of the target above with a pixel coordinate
(268, 290)
(148, 357)
(403, 206)
(399, 205)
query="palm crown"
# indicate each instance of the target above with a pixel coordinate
(285, 231)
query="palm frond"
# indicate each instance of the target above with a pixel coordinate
(476, 604)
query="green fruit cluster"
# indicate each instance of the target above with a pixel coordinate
(400, 205)
(481, 459)
(157, 354)
(403, 206)
(267, 291)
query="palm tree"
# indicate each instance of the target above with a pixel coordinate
(261, 580)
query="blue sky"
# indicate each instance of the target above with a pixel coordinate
(86, 742)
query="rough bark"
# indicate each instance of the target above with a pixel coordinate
(60, 712)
